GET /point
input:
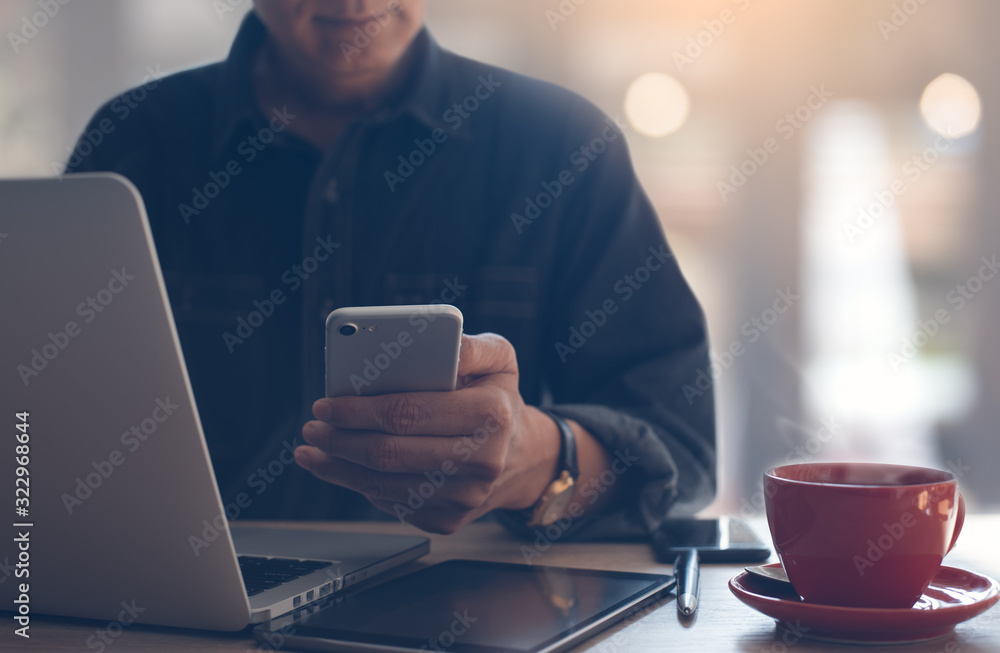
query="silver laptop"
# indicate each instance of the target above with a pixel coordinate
(112, 495)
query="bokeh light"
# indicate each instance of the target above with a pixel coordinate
(950, 106)
(656, 104)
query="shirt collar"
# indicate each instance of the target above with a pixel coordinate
(237, 104)
(427, 97)
(430, 96)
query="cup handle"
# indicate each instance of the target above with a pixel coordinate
(959, 521)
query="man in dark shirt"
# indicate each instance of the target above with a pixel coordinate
(340, 157)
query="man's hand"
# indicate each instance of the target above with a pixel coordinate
(439, 459)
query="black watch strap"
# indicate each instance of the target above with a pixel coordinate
(567, 456)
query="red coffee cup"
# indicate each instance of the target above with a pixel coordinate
(862, 534)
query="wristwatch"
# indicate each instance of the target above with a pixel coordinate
(555, 500)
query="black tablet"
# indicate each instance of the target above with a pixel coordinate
(466, 606)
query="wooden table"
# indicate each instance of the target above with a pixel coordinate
(722, 624)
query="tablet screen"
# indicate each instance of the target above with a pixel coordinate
(479, 607)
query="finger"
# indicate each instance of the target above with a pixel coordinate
(376, 486)
(460, 412)
(316, 432)
(486, 353)
(397, 454)
(372, 484)
(428, 517)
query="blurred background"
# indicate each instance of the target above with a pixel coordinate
(822, 169)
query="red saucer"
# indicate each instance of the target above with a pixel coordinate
(953, 596)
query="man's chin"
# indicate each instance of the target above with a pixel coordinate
(347, 71)
(335, 57)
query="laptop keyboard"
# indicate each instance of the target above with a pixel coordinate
(261, 573)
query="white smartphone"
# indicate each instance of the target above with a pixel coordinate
(374, 350)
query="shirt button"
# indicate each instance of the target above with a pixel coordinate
(331, 194)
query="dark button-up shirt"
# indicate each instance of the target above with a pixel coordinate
(509, 197)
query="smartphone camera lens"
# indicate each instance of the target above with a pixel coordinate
(348, 330)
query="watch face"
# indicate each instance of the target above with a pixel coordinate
(557, 506)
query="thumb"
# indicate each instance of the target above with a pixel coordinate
(485, 354)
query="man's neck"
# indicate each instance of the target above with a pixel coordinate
(323, 106)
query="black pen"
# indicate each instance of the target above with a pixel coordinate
(687, 573)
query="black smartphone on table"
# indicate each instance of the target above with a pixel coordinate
(725, 539)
